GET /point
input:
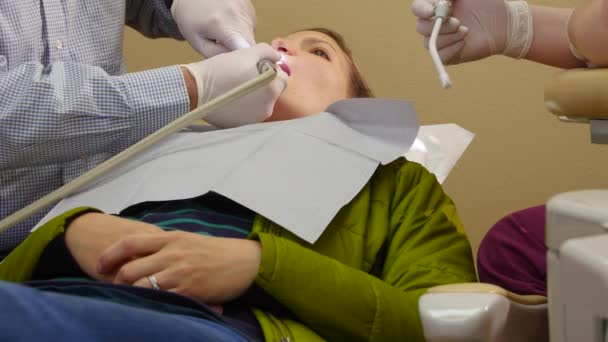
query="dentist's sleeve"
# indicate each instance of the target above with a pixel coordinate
(427, 248)
(152, 18)
(65, 111)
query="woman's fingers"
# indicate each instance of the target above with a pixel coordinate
(128, 248)
(164, 280)
(139, 268)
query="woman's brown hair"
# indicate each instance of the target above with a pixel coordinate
(359, 87)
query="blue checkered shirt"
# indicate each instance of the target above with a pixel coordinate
(67, 102)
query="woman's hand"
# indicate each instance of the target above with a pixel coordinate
(90, 234)
(213, 270)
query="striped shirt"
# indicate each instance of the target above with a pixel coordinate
(210, 214)
(67, 102)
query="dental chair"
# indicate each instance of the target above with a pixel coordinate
(482, 313)
(581, 96)
(577, 222)
(577, 260)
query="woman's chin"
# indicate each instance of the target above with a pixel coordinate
(283, 111)
(279, 117)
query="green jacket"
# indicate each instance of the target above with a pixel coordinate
(326, 285)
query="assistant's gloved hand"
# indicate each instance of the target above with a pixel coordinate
(478, 29)
(215, 26)
(216, 75)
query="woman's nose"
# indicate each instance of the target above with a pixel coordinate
(283, 46)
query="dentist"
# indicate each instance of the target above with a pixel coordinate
(68, 103)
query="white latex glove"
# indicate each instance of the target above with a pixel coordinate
(215, 26)
(216, 75)
(478, 29)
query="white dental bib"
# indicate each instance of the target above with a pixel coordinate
(297, 173)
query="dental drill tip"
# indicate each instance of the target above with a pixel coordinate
(265, 65)
(446, 83)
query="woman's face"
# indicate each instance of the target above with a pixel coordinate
(320, 75)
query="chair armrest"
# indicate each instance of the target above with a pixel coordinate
(489, 289)
(482, 312)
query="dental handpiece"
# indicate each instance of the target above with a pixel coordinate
(443, 9)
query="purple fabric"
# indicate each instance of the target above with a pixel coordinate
(513, 253)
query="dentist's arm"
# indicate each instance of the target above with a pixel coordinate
(152, 18)
(65, 111)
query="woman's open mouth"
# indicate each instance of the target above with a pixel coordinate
(284, 67)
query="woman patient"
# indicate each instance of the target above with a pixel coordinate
(157, 262)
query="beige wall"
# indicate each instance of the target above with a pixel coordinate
(521, 155)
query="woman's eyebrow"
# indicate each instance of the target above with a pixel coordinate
(312, 41)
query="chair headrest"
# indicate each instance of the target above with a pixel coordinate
(578, 94)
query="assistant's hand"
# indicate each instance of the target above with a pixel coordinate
(215, 26)
(221, 73)
(477, 29)
(213, 270)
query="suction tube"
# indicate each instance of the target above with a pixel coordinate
(443, 8)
